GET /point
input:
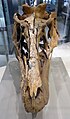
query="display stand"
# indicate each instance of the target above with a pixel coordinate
(10, 97)
(34, 115)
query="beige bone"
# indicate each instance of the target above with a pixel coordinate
(34, 82)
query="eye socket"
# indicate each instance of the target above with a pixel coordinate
(24, 46)
(42, 42)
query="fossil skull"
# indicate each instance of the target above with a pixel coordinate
(33, 51)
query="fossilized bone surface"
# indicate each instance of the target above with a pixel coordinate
(33, 51)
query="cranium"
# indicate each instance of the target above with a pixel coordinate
(33, 51)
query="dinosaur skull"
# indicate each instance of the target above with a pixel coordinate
(33, 51)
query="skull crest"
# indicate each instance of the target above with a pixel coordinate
(34, 36)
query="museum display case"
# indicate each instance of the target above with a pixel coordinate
(34, 58)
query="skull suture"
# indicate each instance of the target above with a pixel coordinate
(33, 51)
